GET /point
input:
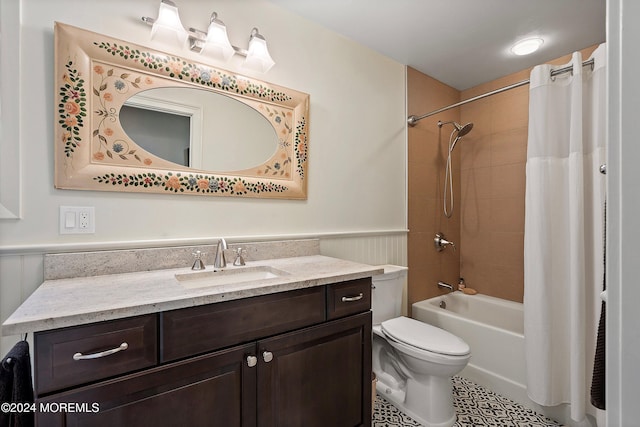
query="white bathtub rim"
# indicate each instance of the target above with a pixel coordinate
(432, 305)
(450, 314)
(496, 300)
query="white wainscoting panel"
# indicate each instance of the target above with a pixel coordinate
(20, 275)
(369, 249)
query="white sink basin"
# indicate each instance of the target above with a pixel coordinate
(228, 276)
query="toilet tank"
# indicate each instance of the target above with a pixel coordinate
(386, 295)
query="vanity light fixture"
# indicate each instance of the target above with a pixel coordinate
(527, 46)
(217, 40)
(214, 41)
(168, 22)
(258, 57)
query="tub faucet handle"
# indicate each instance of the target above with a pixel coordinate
(440, 242)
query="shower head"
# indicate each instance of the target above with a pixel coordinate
(462, 130)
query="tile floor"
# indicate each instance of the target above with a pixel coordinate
(475, 406)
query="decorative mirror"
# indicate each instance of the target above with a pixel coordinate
(224, 134)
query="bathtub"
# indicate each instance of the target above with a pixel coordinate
(493, 328)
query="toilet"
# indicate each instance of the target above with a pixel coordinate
(413, 361)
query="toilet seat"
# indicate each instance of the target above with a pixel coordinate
(422, 337)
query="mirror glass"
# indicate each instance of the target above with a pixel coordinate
(233, 137)
(212, 132)
(163, 133)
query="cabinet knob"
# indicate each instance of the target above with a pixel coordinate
(252, 361)
(267, 356)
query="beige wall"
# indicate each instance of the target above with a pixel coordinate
(489, 185)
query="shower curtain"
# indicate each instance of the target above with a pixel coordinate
(563, 246)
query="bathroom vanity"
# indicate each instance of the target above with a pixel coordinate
(290, 350)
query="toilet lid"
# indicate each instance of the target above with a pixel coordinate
(424, 336)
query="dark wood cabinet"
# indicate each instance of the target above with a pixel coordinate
(276, 360)
(190, 331)
(216, 389)
(317, 377)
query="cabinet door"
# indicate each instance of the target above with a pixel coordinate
(318, 376)
(213, 390)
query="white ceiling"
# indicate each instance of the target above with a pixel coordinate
(462, 43)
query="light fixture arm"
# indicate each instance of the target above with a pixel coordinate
(197, 38)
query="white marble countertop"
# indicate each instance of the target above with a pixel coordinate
(69, 302)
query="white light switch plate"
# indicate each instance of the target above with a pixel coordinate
(77, 220)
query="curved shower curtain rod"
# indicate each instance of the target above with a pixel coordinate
(413, 120)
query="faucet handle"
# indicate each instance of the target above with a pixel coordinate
(440, 242)
(240, 254)
(198, 264)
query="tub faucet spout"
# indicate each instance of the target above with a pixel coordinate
(445, 285)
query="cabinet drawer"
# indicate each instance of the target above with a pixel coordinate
(82, 354)
(348, 298)
(190, 331)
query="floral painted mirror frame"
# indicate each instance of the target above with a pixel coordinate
(95, 74)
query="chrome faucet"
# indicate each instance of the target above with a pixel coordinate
(220, 261)
(445, 285)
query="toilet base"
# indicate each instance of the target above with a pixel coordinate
(432, 409)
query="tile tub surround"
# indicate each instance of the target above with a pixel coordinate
(80, 300)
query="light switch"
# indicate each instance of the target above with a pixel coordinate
(69, 220)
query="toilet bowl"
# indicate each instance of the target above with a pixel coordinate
(413, 361)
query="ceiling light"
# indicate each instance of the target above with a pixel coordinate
(527, 46)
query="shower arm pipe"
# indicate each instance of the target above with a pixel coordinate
(413, 120)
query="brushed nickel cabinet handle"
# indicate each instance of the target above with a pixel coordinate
(354, 298)
(252, 361)
(267, 356)
(80, 356)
